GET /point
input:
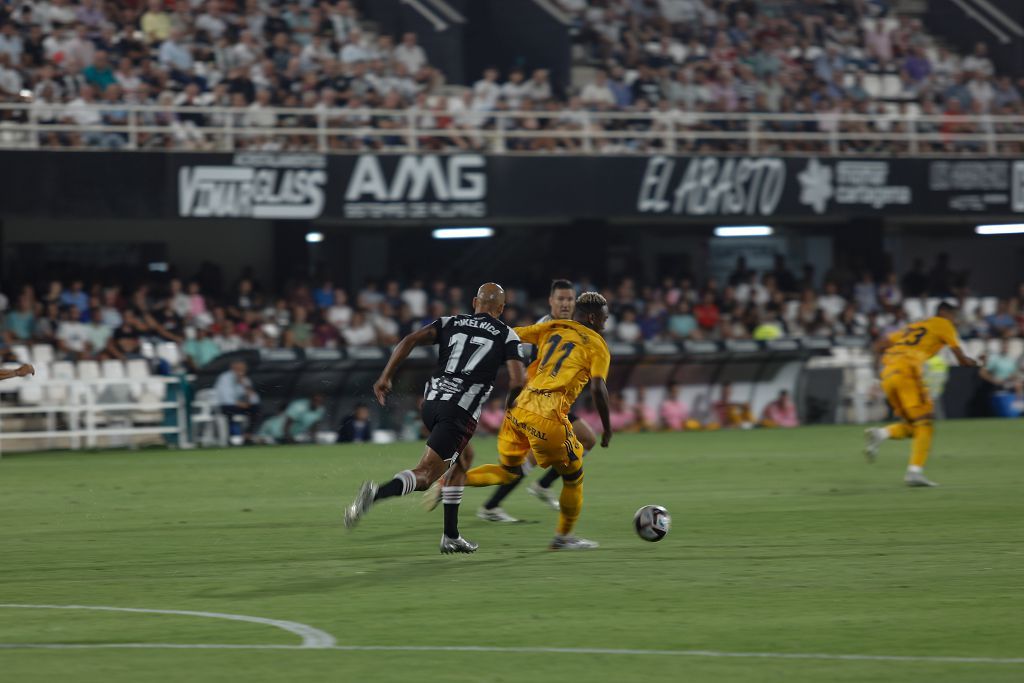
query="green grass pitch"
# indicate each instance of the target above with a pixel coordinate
(783, 542)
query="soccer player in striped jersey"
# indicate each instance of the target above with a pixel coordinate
(562, 303)
(471, 349)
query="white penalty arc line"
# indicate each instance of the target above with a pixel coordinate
(315, 639)
(312, 638)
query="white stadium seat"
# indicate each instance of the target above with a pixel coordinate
(914, 309)
(42, 353)
(88, 370)
(20, 352)
(113, 369)
(62, 370)
(975, 348)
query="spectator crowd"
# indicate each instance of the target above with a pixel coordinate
(96, 320)
(673, 64)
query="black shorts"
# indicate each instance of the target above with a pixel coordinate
(573, 417)
(450, 427)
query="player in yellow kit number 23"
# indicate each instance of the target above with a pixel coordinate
(571, 355)
(904, 354)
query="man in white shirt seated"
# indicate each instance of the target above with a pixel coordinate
(410, 54)
(237, 398)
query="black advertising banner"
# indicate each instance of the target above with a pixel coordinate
(461, 188)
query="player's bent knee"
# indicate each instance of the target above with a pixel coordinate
(573, 478)
(517, 470)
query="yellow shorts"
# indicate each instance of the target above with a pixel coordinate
(904, 387)
(552, 441)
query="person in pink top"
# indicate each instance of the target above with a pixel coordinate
(622, 417)
(492, 416)
(780, 413)
(646, 415)
(674, 412)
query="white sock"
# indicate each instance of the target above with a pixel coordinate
(915, 469)
(881, 433)
(408, 480)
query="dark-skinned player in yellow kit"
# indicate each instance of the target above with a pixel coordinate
(572, 355)
(904, 354)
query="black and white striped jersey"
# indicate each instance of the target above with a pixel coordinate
(471, 350)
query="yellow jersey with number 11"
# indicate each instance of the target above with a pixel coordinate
(917, 342)
(569, 355)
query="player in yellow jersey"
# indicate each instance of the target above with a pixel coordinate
(572, 355)
(904, 354)
(562, 303)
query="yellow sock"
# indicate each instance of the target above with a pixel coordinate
(571, 503)
(900, 430)
(922, 444)
(489, 475)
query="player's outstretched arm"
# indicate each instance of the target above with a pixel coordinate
(422, 337)
(962, 358)
(20, 371)
(599, 390)
(516, 380)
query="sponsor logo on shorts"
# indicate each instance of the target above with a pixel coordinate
(528, 428)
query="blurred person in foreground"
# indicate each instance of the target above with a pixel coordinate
(904, 353)
(781, 412)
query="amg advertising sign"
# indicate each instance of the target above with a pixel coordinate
(272, 186)
(414, 186)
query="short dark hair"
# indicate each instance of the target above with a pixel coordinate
(589, 303)
(561, 283)
(946, 306)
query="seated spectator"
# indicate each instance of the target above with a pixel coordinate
(492, 416)
(681, 323)
(707, 313)
(674, 413)
(356, 427)
(627, 329)
(620, 415)
(73, 336)
(360, 331)
(730, 413)
(1003, 371)
(1002, 321)
(237, 398)
(200, 349)
(297, 422)
(780, 413)
(646, 414)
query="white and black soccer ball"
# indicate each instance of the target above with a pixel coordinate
(652, 523)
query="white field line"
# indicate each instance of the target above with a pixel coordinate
(315, 639)
(311, 637)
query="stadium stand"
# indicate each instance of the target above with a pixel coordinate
(675, 74)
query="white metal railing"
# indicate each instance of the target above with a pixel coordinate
(348, 130)
(81, 403)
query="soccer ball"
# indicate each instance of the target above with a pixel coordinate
(652, 522)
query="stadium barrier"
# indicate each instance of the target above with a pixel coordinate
(756, 370)
(228, 129)
(77, 414)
